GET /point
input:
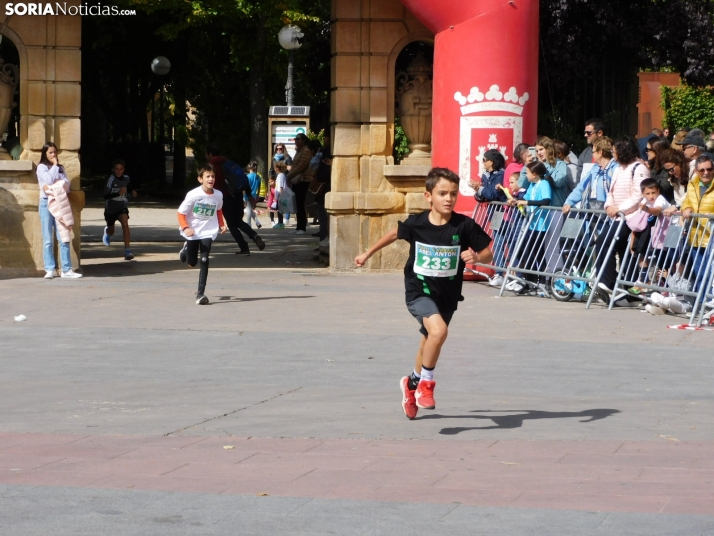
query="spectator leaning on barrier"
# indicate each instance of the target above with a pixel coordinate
(493, 163)
(594, 129)
(520, 152)
(676, 166)
(655, 147)
(700, 200)
(556, 171)
(625, 196)
(591, 192)
(693, 147)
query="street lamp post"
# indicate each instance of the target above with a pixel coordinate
(160, 67)
(290, 38)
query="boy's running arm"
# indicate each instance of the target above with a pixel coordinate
(387, 239)
(485, 256)
(184, 224)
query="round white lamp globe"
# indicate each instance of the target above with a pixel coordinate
(290, 37)
(160, 65)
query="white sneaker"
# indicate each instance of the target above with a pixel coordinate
(603, 286)
(50, 274)
(511, 285)
(496, 280)
(71, 274)
(324, 243)
(654, 310)
(292, 232)
(300, 232)
(656, 298)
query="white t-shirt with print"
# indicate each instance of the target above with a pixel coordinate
(201, 211)
(280, 182)
(660, 202)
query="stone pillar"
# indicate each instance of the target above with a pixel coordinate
(50, 109)
(367, 37)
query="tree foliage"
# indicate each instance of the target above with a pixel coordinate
(688, 107)
(591, 51)
(220, 51)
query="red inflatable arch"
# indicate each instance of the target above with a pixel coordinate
(485, 82)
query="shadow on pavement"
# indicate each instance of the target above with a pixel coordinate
(281, 251)
(232, 299)
(516, 421)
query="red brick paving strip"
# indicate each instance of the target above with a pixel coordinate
(659, 476)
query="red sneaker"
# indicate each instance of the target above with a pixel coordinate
(408, 402)
(425, 395)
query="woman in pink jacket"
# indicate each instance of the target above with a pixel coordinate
(49, 172)
(624, 197)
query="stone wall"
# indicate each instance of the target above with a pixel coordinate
(50, 109)
(369, 194)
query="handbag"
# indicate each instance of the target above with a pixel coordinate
(317, 187)
(638, 221)
(286, 201)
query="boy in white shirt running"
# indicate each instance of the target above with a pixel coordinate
(441, 243)
(200, 218)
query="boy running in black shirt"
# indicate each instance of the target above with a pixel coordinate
(117, 193)
(441, 243)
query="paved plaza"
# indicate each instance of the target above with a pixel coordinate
(128, 410)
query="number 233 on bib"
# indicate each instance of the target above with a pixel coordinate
(436, 261)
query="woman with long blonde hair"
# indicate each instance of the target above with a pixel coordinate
(557, 171)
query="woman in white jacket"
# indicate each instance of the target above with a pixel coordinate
(49, 172)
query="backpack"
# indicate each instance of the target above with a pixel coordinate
(236, 179)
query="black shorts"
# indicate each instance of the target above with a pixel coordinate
(112, 217)
(424, 307)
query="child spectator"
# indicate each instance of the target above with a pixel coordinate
(503, 237)
(539, 194)
(116, 206)
(514, 187)
(653, 204)
(272, 202)
(440, 244)
(280, 183)
(254, 181)
(200, 217)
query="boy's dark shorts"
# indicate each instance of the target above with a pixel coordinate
(424, 307)
(112, 217)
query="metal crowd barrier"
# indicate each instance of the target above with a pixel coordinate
(503, 223)
(561, 249)
(707, 300)
(674, 255)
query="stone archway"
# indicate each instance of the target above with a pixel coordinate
(367, 39)
(50, 107)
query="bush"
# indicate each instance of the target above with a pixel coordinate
(688, 107)
(401, 143)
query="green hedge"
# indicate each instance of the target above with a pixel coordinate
(688, 107)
